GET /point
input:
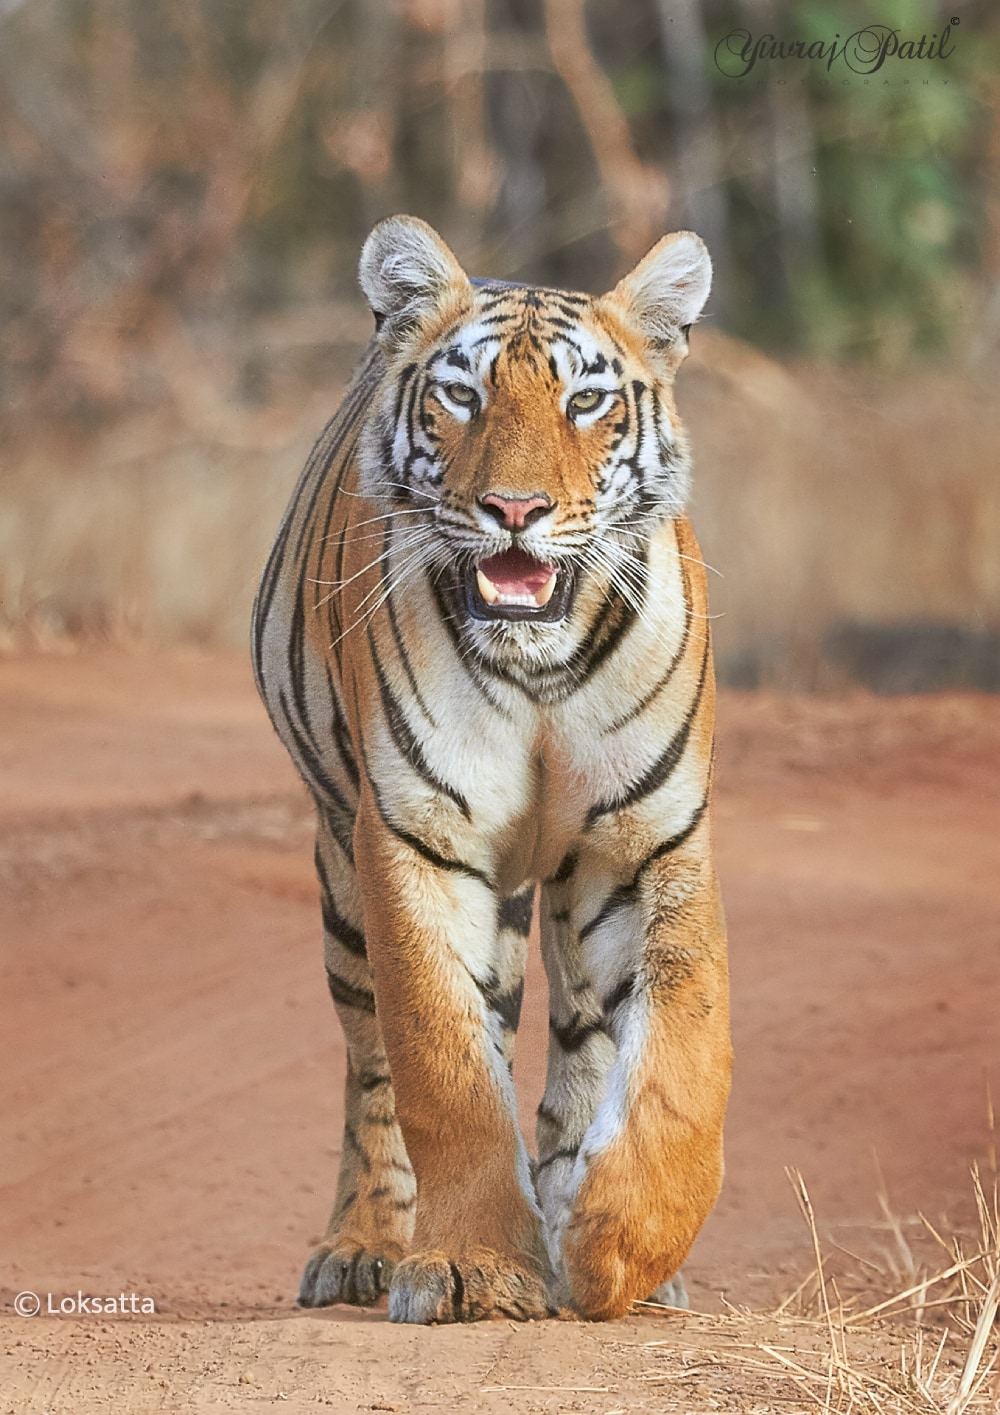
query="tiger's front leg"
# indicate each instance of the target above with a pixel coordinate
(372, 1220)
(649, 1168)
(445, 1007)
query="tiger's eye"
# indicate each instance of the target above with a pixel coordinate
(586, 400)
(461, 394)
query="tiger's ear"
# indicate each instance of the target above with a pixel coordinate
(405, 271)
(666, 292)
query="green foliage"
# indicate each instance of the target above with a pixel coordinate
(896, 212)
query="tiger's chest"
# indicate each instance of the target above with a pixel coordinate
(511, 782)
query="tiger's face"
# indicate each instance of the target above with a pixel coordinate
(532, 431)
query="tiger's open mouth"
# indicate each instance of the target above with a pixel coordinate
(514, 585)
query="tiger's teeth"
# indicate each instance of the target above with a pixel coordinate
(487, 588)
(492, 595)
(545, 593)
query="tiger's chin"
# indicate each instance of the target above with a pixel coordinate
(514, 586)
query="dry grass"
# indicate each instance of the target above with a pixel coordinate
(928, 1347)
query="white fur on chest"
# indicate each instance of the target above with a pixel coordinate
(530, 773)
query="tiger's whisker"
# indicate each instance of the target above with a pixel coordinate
(339, 585)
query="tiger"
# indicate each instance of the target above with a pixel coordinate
(483, 637)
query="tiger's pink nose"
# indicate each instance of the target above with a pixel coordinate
(515, 512)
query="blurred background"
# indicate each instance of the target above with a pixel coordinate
(185, 186)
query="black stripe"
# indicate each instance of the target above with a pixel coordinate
(334, 604)
(324, 454)
(457, 1292)
(572, 1036)
(404, 384)
(315, 473)
(625, 893)
(581, 654)
(506, 1005)
(621, 431)
(565, 871)
(657, 774)
(610, 625)
(546, 685)
(615, 900)
(515, 912)
(442, 862)
(335, 925)
(265, 596)
(312, 768)
(494, 291)
(403, 735)
(567, 1154)
(346, 461)
(346, 995)
(382, 561)
(624, 990)
(345, 1203)
(666, 847)
(296, 667)
(404, 659)
(320, 463)
(626, 619)
(352, 1142)
(636, 461)
(658, 687)
(374, 1082)
(468, 663)
(341, 733)
(412, 419)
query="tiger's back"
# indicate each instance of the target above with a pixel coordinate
(483, 637)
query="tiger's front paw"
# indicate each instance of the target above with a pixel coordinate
(431, 1287)
(338, 1272)
(671, 1293)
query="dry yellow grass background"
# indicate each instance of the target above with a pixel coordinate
(853, 1341)
(821, 497)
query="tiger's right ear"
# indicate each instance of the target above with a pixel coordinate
(405, 271)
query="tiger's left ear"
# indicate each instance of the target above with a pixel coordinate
(666, 292)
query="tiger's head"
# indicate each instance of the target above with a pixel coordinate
(536, 428)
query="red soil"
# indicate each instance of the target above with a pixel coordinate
(172, 1068)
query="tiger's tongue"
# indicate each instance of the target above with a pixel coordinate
(515, 573)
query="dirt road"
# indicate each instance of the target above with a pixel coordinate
(172, 1070)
